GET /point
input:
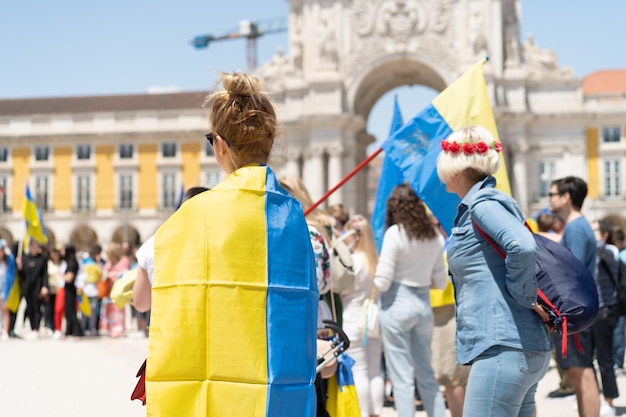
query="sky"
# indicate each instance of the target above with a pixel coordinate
(74, 48)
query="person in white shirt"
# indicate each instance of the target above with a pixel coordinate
(410, 263)
(365, 349)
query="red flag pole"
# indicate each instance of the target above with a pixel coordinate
(344, 180)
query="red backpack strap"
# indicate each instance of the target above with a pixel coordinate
(488, 239)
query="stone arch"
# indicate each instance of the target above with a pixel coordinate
(83, 237)
(391, 72)
(6, 235)
(126, 233)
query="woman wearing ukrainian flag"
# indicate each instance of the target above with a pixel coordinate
(234, 297)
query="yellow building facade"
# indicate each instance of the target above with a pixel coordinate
(102, 169)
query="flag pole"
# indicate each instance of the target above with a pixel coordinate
(344, 180)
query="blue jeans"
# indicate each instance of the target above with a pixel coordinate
(619, 342)
(503, 382)
(406, 322)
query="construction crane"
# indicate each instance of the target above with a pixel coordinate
(249, 30)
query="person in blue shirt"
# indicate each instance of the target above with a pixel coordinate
(566, 198)
(500, 329)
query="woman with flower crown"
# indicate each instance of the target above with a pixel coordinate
(500, 330)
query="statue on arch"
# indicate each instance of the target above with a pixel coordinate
(543, 63)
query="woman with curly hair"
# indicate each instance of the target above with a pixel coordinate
(410, 263)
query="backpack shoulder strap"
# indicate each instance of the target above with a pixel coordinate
(488, 239)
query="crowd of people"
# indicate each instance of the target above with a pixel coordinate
(65, 293)
(440, 318)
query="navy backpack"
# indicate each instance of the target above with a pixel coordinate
(567, 290)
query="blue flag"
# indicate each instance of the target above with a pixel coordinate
(415, 147)
(390, 177)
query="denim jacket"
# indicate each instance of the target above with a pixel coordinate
(494, 297)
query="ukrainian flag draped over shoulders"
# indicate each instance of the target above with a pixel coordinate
(234, 305)
(415, 147)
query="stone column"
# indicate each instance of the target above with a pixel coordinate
(335, 172)
(314, 176)
(292, 165)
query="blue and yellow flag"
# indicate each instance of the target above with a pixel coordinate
(343, 400)
(390, 177)
(415, 147)
(34, 222)
(234, 305)
(12, 293)
(83, 304)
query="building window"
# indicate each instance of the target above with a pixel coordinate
(611, 134)
(4, 154)
(126, 151)
(83, 152)
(208, 149)
(42, 153)
(212, 178)
(546, 176)
(126, 192)
(83, 192)
(612, 178)
(169, 150)
(42, 187)
(4, 208)
(169, 196)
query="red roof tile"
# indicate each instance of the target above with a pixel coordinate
(605, 82)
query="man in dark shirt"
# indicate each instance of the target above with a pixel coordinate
(33, 267)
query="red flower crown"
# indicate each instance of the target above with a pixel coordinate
(469, 148)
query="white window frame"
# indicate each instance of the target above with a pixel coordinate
(5, 182)
(82, 203)
(79, 149)
(36, 153)
(612, 179)
(130, 146)
(619, 129)
(169, 189)
(7, 152)
(546, 176)
(119, 189)
(169, 144)
(42, 191)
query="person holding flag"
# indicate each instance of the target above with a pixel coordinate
(32, 263)
(500, 329)
(8, 279)
(33, 266)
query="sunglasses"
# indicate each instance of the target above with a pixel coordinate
(210, 137)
